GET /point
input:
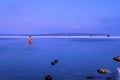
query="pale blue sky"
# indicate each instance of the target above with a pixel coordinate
(59, 16)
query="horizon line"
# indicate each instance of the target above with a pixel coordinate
(57, 34)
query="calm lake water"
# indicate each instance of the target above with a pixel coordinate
(77, 58)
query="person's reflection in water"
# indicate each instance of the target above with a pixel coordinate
(30, 41)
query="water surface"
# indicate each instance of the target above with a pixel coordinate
(77, 58)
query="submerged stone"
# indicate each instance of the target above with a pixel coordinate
(48, 77)
(90, 77)
(102, 71)
(109, 78)
(53, 63)
(117, 58)
(56, 60)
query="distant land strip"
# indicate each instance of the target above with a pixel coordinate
(59, 35)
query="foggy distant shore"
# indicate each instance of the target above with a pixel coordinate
(60, 36)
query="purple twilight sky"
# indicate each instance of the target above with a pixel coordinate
(59, 16)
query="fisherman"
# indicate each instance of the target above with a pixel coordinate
(30, 40)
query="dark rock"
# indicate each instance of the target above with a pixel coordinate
(48, 77)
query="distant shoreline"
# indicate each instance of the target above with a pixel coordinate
(60, 37)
